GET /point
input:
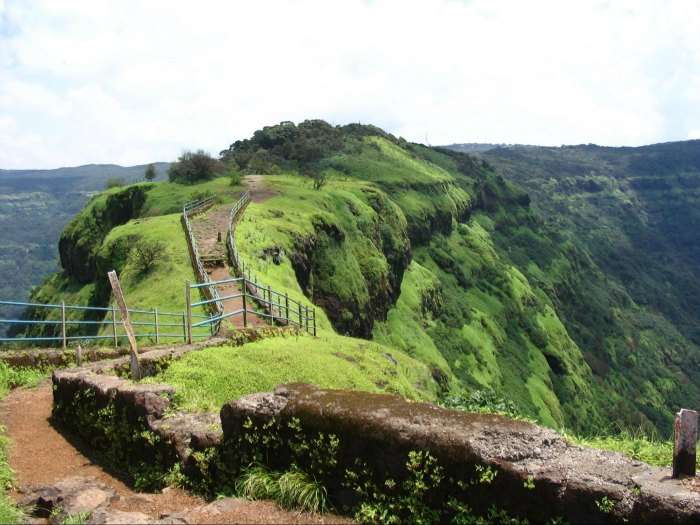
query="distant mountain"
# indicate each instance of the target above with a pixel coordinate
(474, 147)
(35, 205)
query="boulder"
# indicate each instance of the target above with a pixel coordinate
(69, 497)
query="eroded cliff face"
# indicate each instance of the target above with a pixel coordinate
(355, 276)
(82, 238)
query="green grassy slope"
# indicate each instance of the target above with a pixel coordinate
(104, 233)
(432, 254)
(206, 380)
(493, 298)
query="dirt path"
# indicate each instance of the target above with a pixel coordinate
(40, 455)
(259, 191)
(208, 228)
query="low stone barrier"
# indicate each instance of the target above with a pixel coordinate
(372, 452)
(389, 445)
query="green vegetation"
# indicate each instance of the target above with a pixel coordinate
(435, 256)
(107, 235)
(193, 167)
(635, 445)
(207, 379)
(292, 490)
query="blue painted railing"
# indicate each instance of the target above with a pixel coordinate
(174, 324)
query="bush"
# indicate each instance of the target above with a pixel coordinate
(193, 167)
(146, 254)
(115, 182)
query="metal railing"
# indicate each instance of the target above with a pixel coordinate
(67, 329)
(215, 306)
(278, 308)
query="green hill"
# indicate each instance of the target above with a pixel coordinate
(431, 253)
(35, 205)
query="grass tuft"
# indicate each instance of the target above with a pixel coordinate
(258, 483)
(291, 490)
(299, 491)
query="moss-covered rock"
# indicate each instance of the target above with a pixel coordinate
(82, 238)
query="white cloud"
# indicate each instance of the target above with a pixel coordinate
(131, 82)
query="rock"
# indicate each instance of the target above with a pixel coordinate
(188, 433)
(260, 408)
(543, 475)
(69, 497)
(106, 516)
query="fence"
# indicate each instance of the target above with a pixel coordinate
(277, 308)
(214, 304)
(269, 300)
(162, 325)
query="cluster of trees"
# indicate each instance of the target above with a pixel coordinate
(286, 145)
(272, 149)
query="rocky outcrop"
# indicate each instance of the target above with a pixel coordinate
(542, 474)
(355, 275)
(82, 238)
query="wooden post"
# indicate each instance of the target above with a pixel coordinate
(188, 307)
(306, 317)
(270, 305)
(685, 443)
(155, 315)
(79, 356)
(119, 297)
(184, 327)
(299, 304)
(245, 312)
(63, 324)
(286, 307)
(114, 326)
(314, 320)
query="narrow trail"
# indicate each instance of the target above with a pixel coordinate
(40, 455)
(210, 230)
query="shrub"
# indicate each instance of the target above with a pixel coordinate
(146, 254)
(193, 167)
(115, 182)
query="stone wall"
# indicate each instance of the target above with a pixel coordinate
(415, 459)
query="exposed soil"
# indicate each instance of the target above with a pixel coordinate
(259, 191)
(41, 455)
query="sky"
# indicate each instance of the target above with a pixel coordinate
(130, 82)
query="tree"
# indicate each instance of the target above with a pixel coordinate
(193, 167)
(150, 172)
(146, 254)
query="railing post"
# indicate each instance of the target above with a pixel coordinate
(269, 303)
(306, 317)
(184, 328)
(155, 315)
(685, 443)
(245, 313)
(299, 304)
(286, 306)
(114, 326)
(63, 324)
(188, 306)
(314, 320)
